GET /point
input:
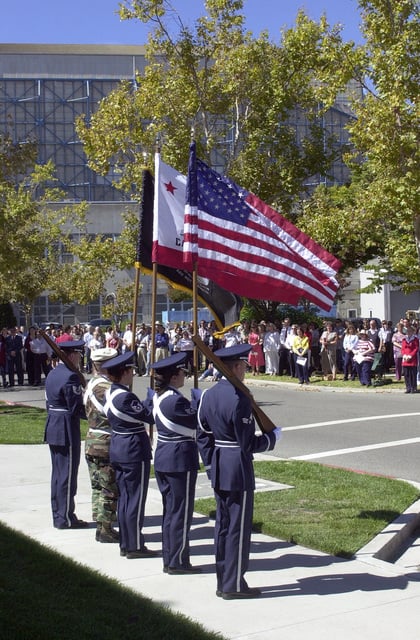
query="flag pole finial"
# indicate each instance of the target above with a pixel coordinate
(158, 143)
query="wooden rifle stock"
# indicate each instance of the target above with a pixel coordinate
(63, 356)
(266, 425)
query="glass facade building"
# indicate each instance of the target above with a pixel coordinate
(44, 88)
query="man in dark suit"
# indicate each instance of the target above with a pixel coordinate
(227, 441)
(14, 346)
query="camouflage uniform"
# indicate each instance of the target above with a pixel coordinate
(101, 472)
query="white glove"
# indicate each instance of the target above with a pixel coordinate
(277, 432)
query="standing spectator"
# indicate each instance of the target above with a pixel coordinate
(315, 364)
(340, 330)
(255, 357)
(98, 440)
(227, 441)
(271, 348)
(232, 337)
(373, 334)
(65, 335)
(42, 358)
(30, 356)
(14, 348)
(244, 330)
(329, 351)
(349, 343)
(127, 339)
(385, 344)
(96, 341)
(300, 350)
(176, 462)
(290, 355)
(143, 346)
(64, 399)
(3, 358)
(409, 352)
(364, 352)
(186, 345)
(130, 453)
(161, 342)
(88, 337)
(397, 338)
(284, 364)
(113, 340)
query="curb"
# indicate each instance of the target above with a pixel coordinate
(395, 539)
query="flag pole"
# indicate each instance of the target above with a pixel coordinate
(195, 300)
(154, 277)
(137, 266)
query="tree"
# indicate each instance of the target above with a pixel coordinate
(380, 209)
(37, 230)
(238, 93)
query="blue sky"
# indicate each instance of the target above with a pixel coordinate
(96, 22)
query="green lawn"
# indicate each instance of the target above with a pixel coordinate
(329, 509)
(44, 596)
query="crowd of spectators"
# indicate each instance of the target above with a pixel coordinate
(355, 351)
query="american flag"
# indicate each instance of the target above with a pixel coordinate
(161, 236)
(244, 245)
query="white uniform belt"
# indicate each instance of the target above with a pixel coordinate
(172, 440)
(130, 432)
(226, 444)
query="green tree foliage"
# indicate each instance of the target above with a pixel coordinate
(239, 93)
(37, 230)
(236, 92)
(378, 215)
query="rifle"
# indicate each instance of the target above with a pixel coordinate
(266, 425)
(63, 356)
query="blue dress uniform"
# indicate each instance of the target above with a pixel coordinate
(227, 441)
(130, 454)
(64, 399)
(176, 465)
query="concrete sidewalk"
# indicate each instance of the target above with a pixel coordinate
(306, 594)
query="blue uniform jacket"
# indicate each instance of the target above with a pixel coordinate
(227, 439)
(126, 414)
(176, 424)
(64, 399)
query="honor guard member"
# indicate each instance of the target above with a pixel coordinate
(64, 398)
(98, 439)
(227, 441)
(130, 453)
(176, 461)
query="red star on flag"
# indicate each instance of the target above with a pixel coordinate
(170, 187)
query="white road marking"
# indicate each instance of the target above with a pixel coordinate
(368, 447)
(312, 425)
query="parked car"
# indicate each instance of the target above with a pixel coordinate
(100, 322)
(48, 325)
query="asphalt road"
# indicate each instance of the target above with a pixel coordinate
(372, 430)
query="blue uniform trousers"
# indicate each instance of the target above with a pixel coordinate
(232, 535)
(133, 481)
(178, 490)
(65, 464)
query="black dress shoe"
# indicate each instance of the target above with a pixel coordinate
(78, 524)
(165, 568)
(179, 571)
(141, 553)
(240, 595)
(123, 552)
(219, 593)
